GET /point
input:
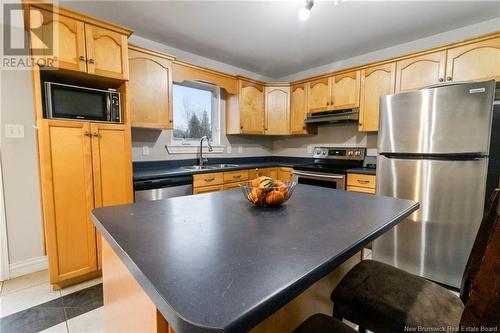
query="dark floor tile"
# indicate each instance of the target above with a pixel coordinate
(34, 319)
(83, 301)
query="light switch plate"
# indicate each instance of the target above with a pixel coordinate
(145, 150)
(14, 131)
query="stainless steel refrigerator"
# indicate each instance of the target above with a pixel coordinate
(434, 147)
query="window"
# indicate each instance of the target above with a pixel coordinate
(196, 112)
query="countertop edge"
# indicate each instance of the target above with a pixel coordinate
(260, 312)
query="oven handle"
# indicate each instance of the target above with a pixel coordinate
(300, 173)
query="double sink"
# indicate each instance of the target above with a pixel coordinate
(209, 166)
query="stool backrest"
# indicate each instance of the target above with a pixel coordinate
(480, 290)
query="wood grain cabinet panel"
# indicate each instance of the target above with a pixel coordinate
(477, 61)
(207, 179)
(361, 180)
(68, 198)
(360, 189)
(150, 93)
(298, 109)
(420, 71)
(277, 110)
(251, 108)
(208, 189)
(285, 174)
(257, 172)
(106, 52)
(69, 42)
(235, 176)
(230, 186)
(319, 95)
(375, 82)
(345, 90)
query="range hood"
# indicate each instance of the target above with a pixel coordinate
(337, 116)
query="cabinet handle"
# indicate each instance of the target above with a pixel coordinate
(441, 79)
(209, 179)
(87, 133)
(236, 177)
(327, 103)
(92, 61)
(449, 78)
(96, 134)
(363, 181)
(81, 58)
(241, 127)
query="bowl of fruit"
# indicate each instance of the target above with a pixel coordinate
(264, 191)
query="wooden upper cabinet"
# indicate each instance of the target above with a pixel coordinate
(420, 71)
(376, 81)
(345, 90)
(476, 61)
(251, 107)
(66, 175)
(277, 110)
(69, 42)
(106, 52)
(319, 95)
(298, 109)
(150, 89)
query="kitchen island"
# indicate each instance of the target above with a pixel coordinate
(215, 263)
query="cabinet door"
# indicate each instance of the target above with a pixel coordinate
(67, 37)
(345, 91)
(150, 90)
(208, 189)
(420, 71)
(318, 98)
(277, 110)
(375, 82)
(298, 109)
(477, 61)
(68, 199)
(112, 166)
(285, 174)
(106, 52)
(257, 172)
(251, 108)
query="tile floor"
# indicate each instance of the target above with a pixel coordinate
(28, 304)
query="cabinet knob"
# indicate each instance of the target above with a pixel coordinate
(303, 127)
(82, 58)
(92, 61)
(96, 134)
(327, 103)
(449, 78)
(87, 133)
(441, 79)
(241, 127)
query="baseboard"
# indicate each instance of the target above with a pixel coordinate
(28, 266)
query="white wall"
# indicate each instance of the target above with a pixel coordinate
(440, 39)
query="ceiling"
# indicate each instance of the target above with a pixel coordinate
(266, 37)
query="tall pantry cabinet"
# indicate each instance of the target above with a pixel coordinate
(83, 165)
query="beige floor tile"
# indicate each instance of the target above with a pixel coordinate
(80, 286)
(60, 328)
(90, 322)
(25, 281)
(26, 298)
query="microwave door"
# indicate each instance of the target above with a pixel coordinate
(108, 107)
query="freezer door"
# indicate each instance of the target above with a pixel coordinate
(435, 241)
(454, 119)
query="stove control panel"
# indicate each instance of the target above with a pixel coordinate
(339, 153)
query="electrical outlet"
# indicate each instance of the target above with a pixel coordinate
(14, 131)
(228, 149)
(145, 150)
(240, 149)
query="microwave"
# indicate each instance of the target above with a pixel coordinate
(64, 101)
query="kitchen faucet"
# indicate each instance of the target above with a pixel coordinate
(202, 160)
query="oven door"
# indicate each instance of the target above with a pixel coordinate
(335, 181)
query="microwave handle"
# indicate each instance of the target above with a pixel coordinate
(108, 107)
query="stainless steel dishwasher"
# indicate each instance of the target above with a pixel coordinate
(163, 188)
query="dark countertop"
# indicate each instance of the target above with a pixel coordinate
(160, 169)
(227, 265)
(366, 171)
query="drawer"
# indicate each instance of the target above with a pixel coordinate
(257, 172)
(361, 180)
(285, 174)
(235, 176)
(208, 179)
(361, 189)
(207, 189)
(230, 186)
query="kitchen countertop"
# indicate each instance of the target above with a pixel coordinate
(365, 171)
(227, 265)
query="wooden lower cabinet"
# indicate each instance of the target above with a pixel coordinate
(257, 172)
(208, 189)
(285, 174)
(230, 186)
(82, 166)
(361, 183)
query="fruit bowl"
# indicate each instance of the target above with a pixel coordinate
(263, 191)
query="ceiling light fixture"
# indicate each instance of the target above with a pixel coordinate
(305, 11)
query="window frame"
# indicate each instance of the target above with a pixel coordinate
(215, 117)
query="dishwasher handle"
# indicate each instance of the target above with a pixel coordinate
(151, 184)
